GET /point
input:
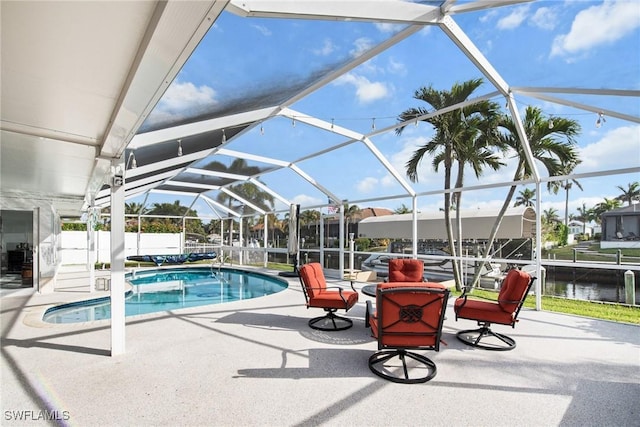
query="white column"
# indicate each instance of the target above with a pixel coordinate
(138, 234)
(265, 241)
(342, 240)
(352, 247)
(221, 254)
(322, 218)
(241, 242)
(414, 226)
(538, 284)
(91, 248)
(117, 259)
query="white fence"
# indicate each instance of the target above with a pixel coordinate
(74, 245)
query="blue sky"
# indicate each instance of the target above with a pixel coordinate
(572, 44)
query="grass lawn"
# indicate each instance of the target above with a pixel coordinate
(593, 253)
(594, 309)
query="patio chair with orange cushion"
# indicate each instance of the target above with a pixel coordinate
(330, 298)
(514, 289)
(407, 316)
(405, 270)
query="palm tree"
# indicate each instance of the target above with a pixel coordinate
(175, 209)
(585, 216)
(246, 190)
(311, 216)
(402, 210)
(275, 224)
(630, 194)
(555, 186)
(550, 216)
(553, 146)
(525, 198)
(606, 206)
(463, 136)
(134, 208)
(350, 213)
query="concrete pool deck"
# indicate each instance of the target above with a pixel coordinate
(257, 363)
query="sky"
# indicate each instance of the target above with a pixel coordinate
(254, 62)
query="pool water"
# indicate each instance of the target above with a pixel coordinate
(170, 289)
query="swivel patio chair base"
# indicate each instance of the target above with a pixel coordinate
(377, 365)
(330, 322)
(475, 337)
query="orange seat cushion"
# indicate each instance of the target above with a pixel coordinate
(332, 299)
(513, 290)
(319, 295)
(482, 311)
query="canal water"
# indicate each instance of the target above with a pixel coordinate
(588, 284)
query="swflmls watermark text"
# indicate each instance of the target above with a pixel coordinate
(36, 415)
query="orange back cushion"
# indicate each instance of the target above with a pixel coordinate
(410, 319)
(513, 289)
(405, 270)
(313, 278)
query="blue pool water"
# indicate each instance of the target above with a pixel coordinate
(169, 289)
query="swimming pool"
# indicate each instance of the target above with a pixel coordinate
(169, 289)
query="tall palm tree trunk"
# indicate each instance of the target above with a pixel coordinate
(458, 204)
(447, 217)
(496, 226)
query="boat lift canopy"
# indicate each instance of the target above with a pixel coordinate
(517, 223)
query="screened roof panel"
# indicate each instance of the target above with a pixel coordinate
(327, 97)
(233, 165)
(286, 139)
(173, 148)
(256, 63)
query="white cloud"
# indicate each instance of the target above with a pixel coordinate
(489, 16)
(367, 185)
(545, 18)
(488, 47)
(388, 180)
(366, 91)
(386, 27)
(327, 48)
(360, 46)
(180, 99)
(306, 200)
(425, 31)
(597, 25)
(396, 67)
(514, 19)
(619, 148)
(426, 174)
(182, 96)
(262, 29)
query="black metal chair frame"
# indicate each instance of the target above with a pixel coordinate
(330, 312)
(408, 314)
(473, 337)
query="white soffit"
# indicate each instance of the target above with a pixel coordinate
(78, 79)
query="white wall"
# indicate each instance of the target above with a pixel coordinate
(74, 245)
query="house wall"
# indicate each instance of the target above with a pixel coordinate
(620, 244)
(74, 245)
